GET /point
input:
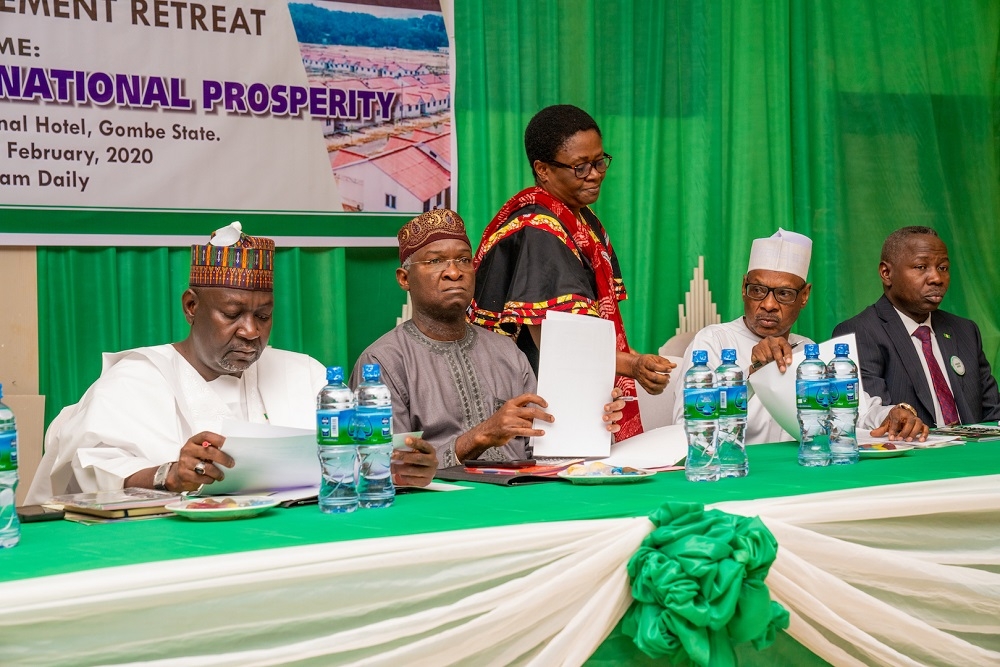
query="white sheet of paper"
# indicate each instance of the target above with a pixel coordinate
(313, 491)
(777, 390)
(865, 438)
(576, 372)
(444, 486)
(399, 439)
(298, 493)
(268, 458)
(659, 448)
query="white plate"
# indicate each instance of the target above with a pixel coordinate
(607, 479)
(245, 507)
(878, 451)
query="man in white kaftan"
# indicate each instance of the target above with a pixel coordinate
(774, 292)
(149, 400)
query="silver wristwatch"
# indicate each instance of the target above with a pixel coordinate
(160, 477)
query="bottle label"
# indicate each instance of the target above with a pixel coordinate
(332, 427)
(701, 403)
(372, 425)
(8, 451)
(812, 394)
(733, 401)
(844, 393)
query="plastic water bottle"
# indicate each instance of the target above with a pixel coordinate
(10, 527)
(338, 454)
(812, 409)
(701, 420)
(844, 401)
(732, 417)
(372, 430)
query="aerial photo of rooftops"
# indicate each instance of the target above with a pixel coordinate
(400, 163)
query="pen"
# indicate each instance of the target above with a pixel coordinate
(757, 364)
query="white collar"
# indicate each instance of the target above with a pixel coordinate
(911, 324)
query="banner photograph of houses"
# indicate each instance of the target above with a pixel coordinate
(395, 164)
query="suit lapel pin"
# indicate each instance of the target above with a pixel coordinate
(957, 364)
(948, 335)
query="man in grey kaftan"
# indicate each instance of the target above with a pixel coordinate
(444, 388)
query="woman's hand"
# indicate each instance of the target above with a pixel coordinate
(650, 370)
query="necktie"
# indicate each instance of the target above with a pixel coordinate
(949, 411)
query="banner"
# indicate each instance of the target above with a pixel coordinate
(128, 116)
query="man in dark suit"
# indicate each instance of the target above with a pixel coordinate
(913, 353)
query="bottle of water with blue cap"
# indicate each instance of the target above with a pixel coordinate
(812, 409)
(371, 429)
(701, 420)
(732, 417)
(10, 526)
(338, 453)
(844, 401)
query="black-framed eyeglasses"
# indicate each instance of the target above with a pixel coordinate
(439, 264)
(582, 170)
(783, 295)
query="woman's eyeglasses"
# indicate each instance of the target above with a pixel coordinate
(582, 170)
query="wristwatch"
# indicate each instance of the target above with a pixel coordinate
(908, 408)
(160, 476)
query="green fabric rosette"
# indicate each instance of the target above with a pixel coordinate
(698, 586)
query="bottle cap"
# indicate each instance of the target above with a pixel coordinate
(841, 349)
(371, 372)
(812, 351)
(699, 357)
(729, 356)
(335, 374)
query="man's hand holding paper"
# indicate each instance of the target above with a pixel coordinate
(413, 466)
(772, 348)
(776, 390)
(514, 419)
(201, 461)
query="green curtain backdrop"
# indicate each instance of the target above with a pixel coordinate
(840, 119)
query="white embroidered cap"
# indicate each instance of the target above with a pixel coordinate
(785, 251)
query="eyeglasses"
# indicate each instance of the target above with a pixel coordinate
(439, 264)
(783, 295)
(582, 170)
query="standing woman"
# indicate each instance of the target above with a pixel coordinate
(546, 250)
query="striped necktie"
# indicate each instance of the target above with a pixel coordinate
(949, 411)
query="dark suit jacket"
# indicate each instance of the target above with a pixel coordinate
(890, 367)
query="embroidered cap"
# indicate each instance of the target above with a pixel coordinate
(233, 259)
(787, 252)
(441, 223)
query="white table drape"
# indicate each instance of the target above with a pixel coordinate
(905, 574)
